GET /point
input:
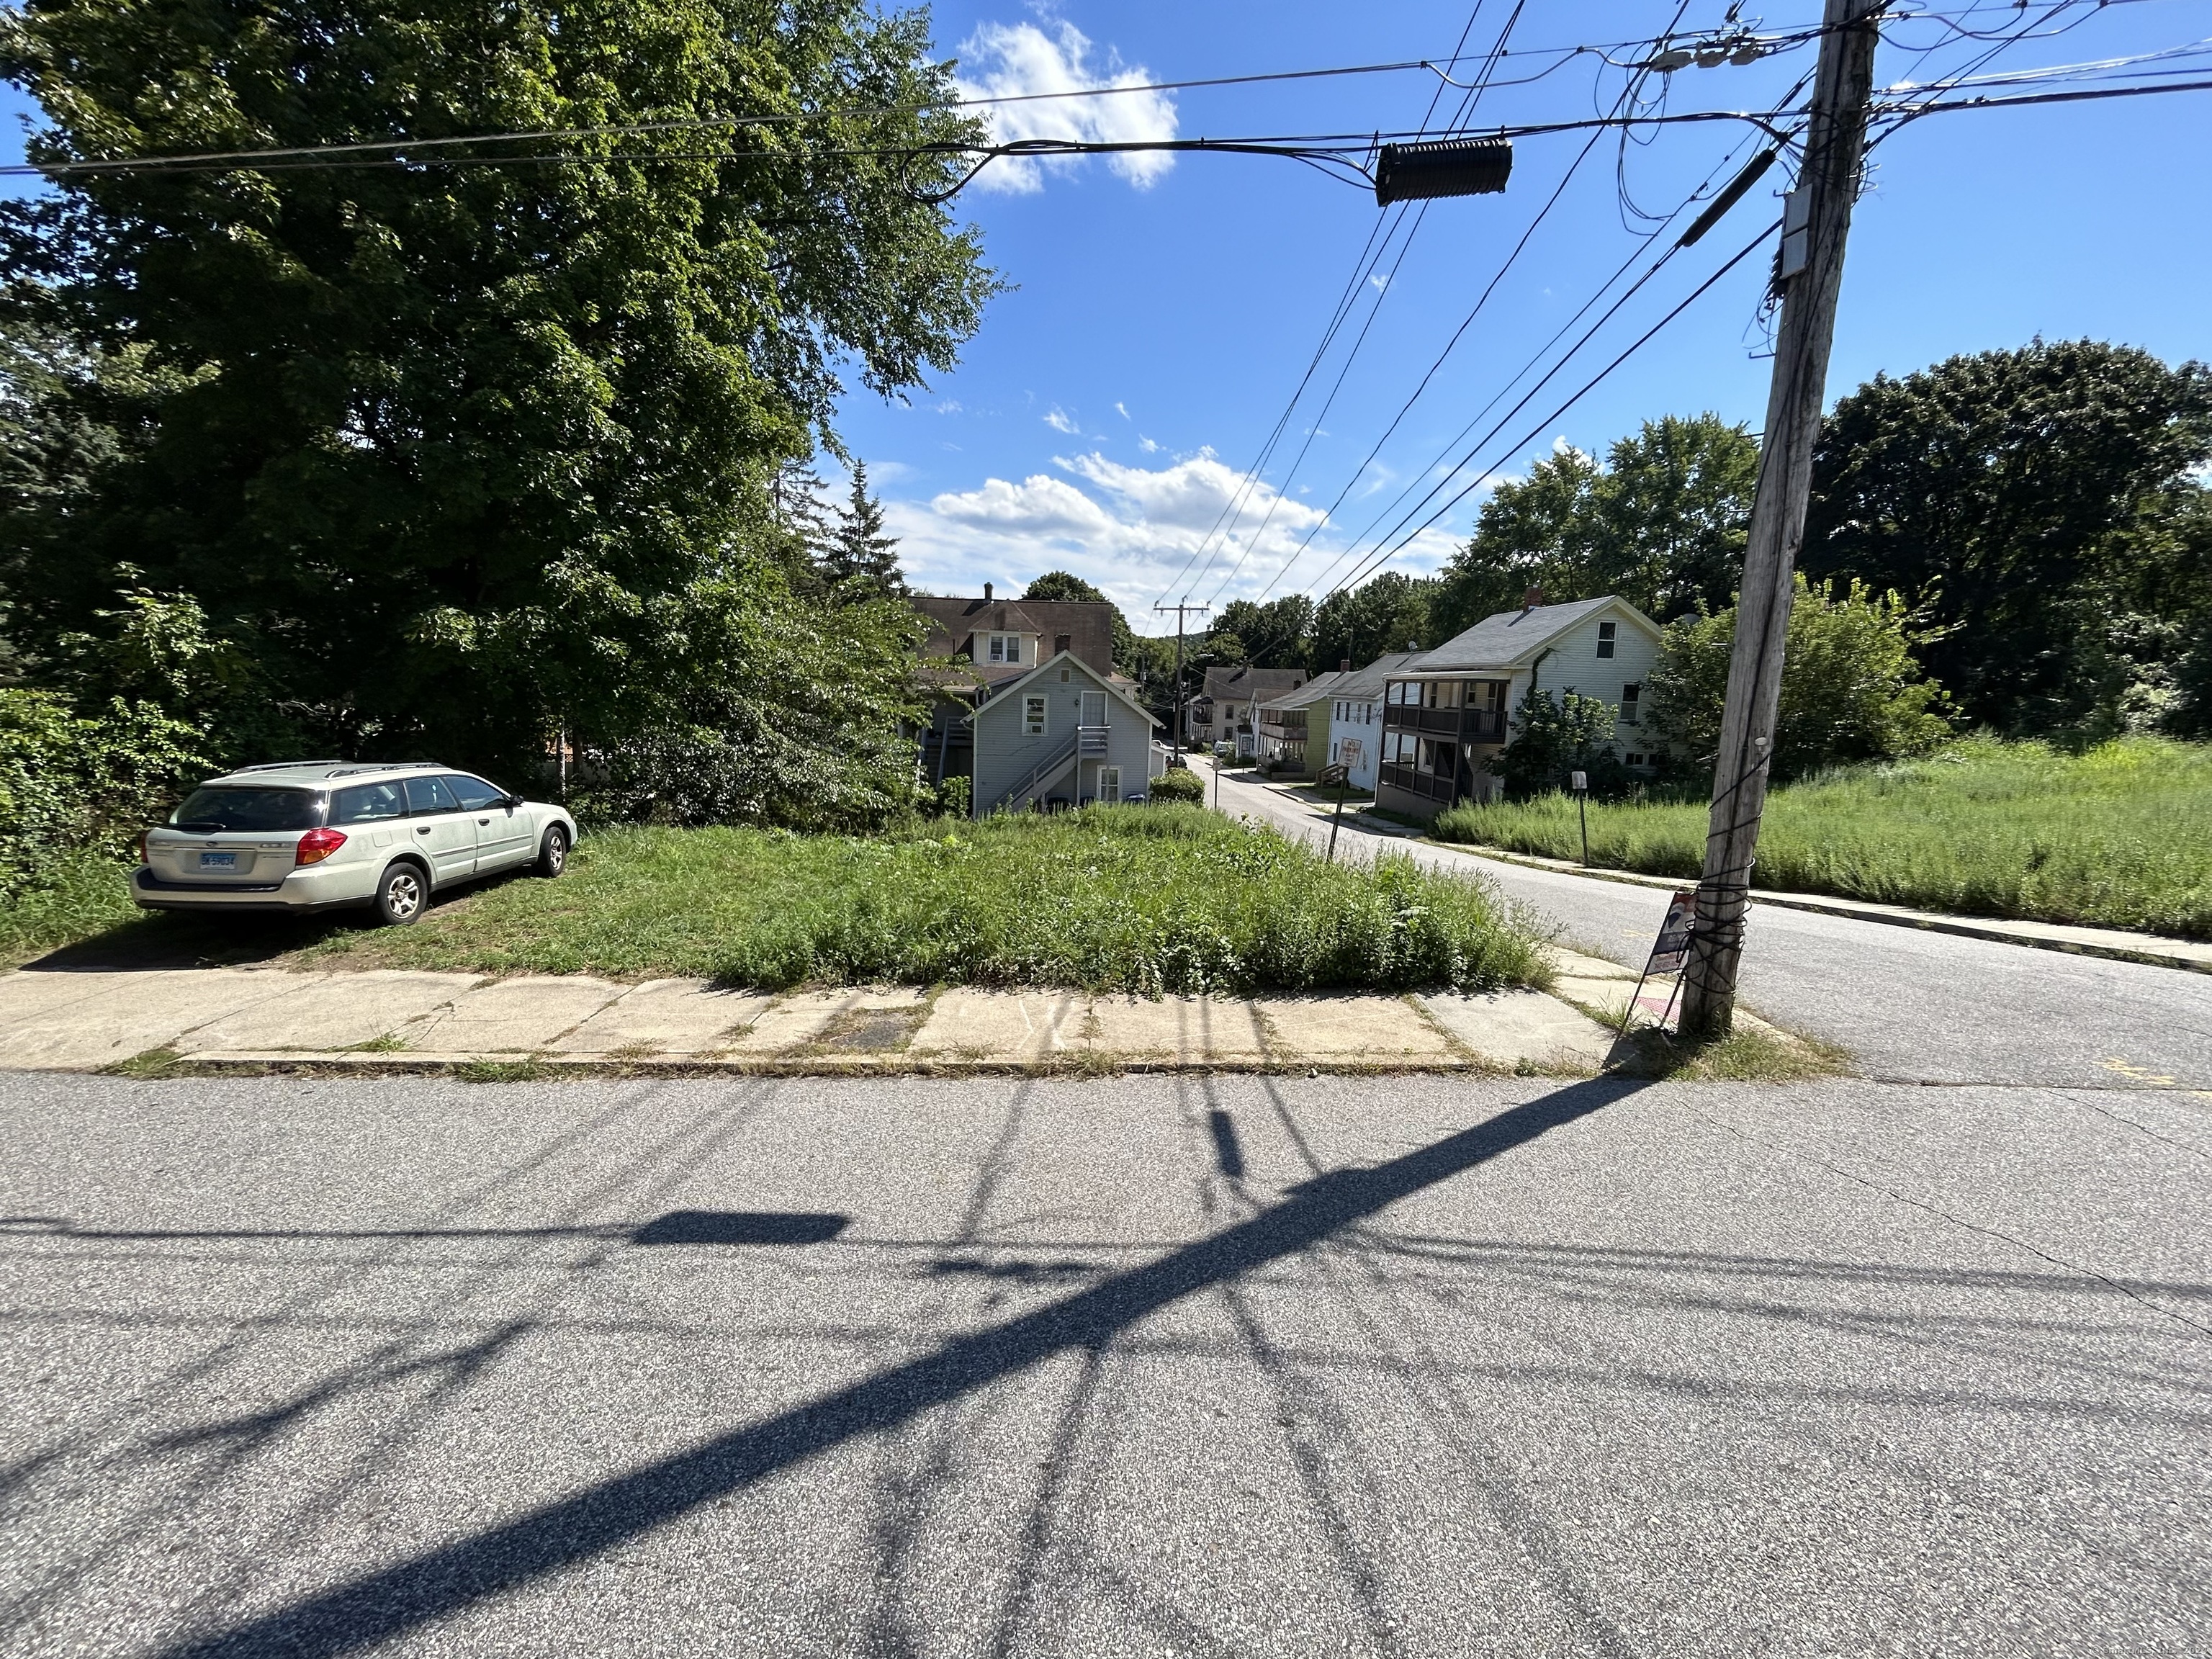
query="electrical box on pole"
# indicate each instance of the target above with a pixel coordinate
(1809, 270)
(1442, 167)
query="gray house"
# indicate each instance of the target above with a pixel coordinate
(1064, 734)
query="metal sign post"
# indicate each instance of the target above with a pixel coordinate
(1339, 775)
(1669, 954)
(1581, 782)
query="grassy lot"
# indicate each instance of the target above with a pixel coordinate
(86, 894)
(1145, 899)
(2120, 836)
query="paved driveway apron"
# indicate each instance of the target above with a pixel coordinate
(1909, 1005)
(1138, 1366)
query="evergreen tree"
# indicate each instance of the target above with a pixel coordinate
(795, 503)
(858, 549)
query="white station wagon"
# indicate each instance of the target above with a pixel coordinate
(307, 836)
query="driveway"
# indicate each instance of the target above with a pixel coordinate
(1139, 1366)
(1911, 1005)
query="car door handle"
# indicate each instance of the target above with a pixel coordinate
(481, 822)
(424, 831)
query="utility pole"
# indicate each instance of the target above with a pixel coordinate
(1816, 219)
(1179, 610)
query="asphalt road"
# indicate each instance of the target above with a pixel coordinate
(1136, 1366)
(1909, 1005)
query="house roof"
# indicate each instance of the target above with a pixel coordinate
(1511, 637)
(1317, 690)
(1367, 681)
(954, 623)
(1113, 686)
(1244, 682)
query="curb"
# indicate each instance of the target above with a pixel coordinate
(2180, 954)
(519, 1066)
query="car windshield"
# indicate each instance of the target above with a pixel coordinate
(224, 808)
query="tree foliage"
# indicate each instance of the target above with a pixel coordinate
(1851, 688)
(859, 551)
(2040, 503)
(70, 781)
(1389, 613)
(1662, 523)
(451, 453)
(1554, 737)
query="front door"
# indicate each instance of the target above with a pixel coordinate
(1094, 709)
(503, 832)
(1109, 785)
(443, 833)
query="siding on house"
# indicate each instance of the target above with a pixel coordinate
(1005, 754)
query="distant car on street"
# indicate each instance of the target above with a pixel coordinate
(310, 836)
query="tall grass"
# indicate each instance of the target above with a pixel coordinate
(2117, 836)
(1147, 899)
(75, 893)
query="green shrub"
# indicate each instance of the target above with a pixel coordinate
(1554, 739)
(71, 784)
(1171, 898)
(1181, 784)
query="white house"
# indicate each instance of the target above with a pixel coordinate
(1062, 734)
(1450, 709)
(1355, 717)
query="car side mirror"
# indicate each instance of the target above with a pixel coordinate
(512, 802)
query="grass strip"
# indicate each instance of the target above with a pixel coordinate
(1144, 899)
(2119, 835)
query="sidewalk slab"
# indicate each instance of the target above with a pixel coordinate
(1524, 1029)
(134, 1012)
(511, 1015)
(805, 1017)
(1385, 1030)
(667, 1016)
(1006, 1025)
(1183, 1031)
(335, 1011)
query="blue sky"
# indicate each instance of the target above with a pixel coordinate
(1160, 314)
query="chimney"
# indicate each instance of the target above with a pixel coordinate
(987, 592)
(1529, 600)
(1344, 665)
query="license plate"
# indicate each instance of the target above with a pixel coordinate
(218, 860)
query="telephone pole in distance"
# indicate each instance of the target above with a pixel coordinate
(1179, 610)
(1816, 220)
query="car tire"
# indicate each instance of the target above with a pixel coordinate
(403, 893)
(553, 852)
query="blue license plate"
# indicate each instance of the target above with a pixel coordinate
(218, 860)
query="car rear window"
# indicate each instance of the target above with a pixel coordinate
(217, 809)
(366, 803)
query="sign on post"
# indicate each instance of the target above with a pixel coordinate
(1335, 775)
(1668, 955)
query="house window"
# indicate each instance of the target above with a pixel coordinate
(1634, 759)
(1605, 631)
(1033, 715)
(1396, 694)
(1630, 698)
(1003, 647)
(1109, 784)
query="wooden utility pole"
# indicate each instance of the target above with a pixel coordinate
(1179, 610)
(1816, 220)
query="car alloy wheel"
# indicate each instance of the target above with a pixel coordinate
(401, 897)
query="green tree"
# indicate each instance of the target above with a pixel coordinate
(1554, 737)
(859, 550)
(447, 447)
(2033, 500)
(1065, 587)
(1851, 688)
(1271, 636)
(1390, 613)
(1662, 523)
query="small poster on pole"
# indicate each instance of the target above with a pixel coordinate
(1673, 949)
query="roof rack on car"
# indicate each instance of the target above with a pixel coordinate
(284, 766)
(392, 766)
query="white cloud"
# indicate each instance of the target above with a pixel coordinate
(1061, 420)
(950, 406)
(1128, 529)
(1147, 445)
(1123, 410)
(1020, 60)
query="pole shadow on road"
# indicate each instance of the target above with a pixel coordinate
(376, 1606)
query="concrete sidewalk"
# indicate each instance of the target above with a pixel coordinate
(385, 1020)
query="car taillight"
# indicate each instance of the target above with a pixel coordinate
(142, 857)
(319, 844)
